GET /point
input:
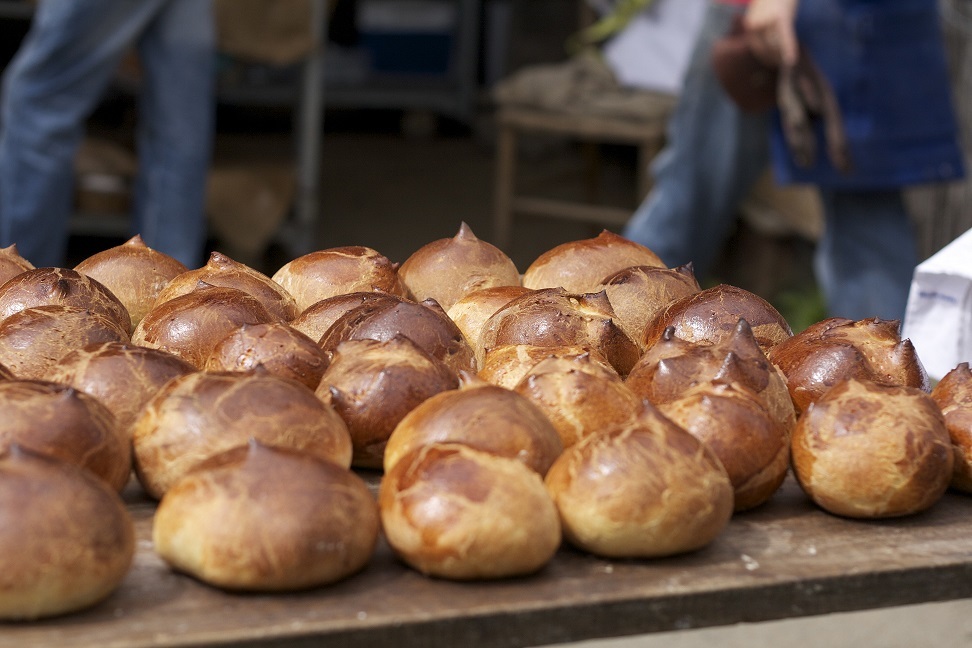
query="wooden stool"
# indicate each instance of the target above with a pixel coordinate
(512, 122)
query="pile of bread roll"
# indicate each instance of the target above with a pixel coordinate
(600, 399)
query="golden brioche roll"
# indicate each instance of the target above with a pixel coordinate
(67, 424)
(221, 270)
(425, 324)
(471, 311)
(196, 416)
(673, 366)
(836, 349)
(213, 523)
(278, 347)
(643, 490)
(336, 271)
(581, 266)
(372, 385)
(34, 340)
(579, 398)
(448, 269)
(953, 395)
(482, 416)
(553, 317)
(123, 377)
(314, 320)
(865, 450)
(191, 325)
(639, 293)
(133, 272)
(750, 443)
(451, 511)
(66, 537)
(711, 315)
(61, 287)
(11, 263)
(506, 365)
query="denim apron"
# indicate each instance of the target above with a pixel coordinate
(886, 62)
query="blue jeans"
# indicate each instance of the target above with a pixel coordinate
(53, 84)
(714, 155)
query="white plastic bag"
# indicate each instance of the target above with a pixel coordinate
(938, 318)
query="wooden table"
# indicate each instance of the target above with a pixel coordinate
(785, 559)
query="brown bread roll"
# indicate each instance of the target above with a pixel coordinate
(66, 537)
(318, 317)
(372, 385)
(506, 365)
(213, 523)
(471, 312)
(64, 423)
(61, 287)
(336, 271)
(711, 315)
(450, 268)
(644, 490)
(451, 511)
(34, 340)
(553, 317)
(133, 272)
(953, 395)
(221, 270)
(482, 416)
(865, 450)
(191, 325)
(11, 263)
(123, 377)
(836, 349)
(582, 266)
(277, 347)
(752, 446)
(199, 415)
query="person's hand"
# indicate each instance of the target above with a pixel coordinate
(770, 32)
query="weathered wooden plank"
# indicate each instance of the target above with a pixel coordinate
(785, 559)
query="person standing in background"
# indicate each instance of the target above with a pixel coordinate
(884, 60)
(53, 84)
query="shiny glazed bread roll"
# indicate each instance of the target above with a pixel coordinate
(953, 395)
(372, 385)
(278, 347)
(69, 425)
(66, 537)
(11, 263)
(133, 272)
(263, 518)
(123, 377)
(639, 293)
(336, 271)
(753, 447)
(221, 270)
(314, 320)
(673, 366)
(553, 317)
(191, 325)
(836, 349)
(579, 398)
(581, 266)
(450, 268)
(196, 416)
(61, 287)
(506, 365)
(425, 324)
(482, 416)
(711, 315)
(34, 340)
(451, 511)
(471, 312)
(645, 490)
(865, 450)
